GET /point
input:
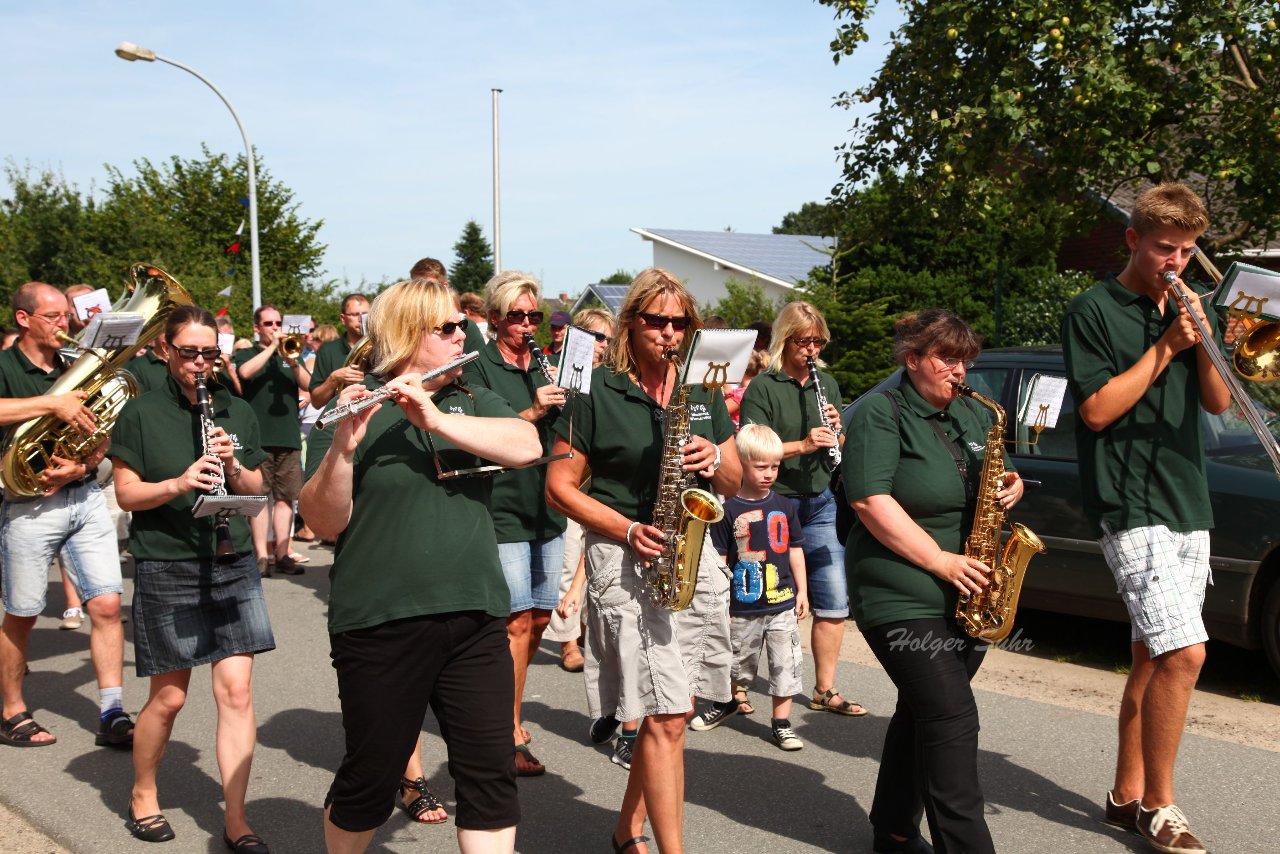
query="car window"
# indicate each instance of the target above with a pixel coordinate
(1057, 442)
(988, 382)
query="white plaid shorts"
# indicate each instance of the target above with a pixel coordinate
(1161, 575)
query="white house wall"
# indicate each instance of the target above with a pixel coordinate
(704, 281)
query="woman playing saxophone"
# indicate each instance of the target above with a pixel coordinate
(911, 469)
(650, 661)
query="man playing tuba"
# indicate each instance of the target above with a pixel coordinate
(70, 517)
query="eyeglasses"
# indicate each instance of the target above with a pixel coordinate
(950, 363)
(659, 321)
(600, 336)
(353, 313)
(535, 317)
(810, 341)
(189, 353)
(448, 327)
(54, 316)
(268, 323)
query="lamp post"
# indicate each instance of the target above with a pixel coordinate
(132, 52)
(497, 196)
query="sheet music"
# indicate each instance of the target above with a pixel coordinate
(575, 360)
(230, 505)
(109, 331)
(94, 302)
(719, 356)
(296, 324)
(1249, 290)
(1044, 401)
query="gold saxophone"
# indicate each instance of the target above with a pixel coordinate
(31, 446)
(682, 511)
(989, 614)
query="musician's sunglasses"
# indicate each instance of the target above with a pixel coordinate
(599, 336)
(810, 341)
(449, 327)
(659, 321)
(190, 353)
(535, 317)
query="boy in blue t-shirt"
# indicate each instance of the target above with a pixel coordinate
(759, 538)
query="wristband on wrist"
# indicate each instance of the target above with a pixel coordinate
(631, 528)
(715, 464)
(235, 472)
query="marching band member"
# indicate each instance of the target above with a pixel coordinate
(189, 610)
(530, 533)
(71, 517)
(651, 660)
(784, 398)
(418, 603)
(329, 376)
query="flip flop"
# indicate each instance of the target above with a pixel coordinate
(534, 768)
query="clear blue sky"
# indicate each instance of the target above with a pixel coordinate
(696, 115)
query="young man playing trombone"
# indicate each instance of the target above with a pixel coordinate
(1140, 374)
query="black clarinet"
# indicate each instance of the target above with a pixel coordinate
(226, 550)
(540, 357)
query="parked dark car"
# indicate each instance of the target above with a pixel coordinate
(1242, 606)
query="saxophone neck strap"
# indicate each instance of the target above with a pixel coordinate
(953, 448)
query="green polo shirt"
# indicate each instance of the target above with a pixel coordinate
(791, 409)
(21, 379)
(1146, 467)
(619, 428)
(415, 544)
(150, 371)
(331, 356)
(158, 436)
(905, 458)
(273, 395)
(475, 340)
(520, 513)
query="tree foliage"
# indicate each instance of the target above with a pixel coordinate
(473, 260)
(180, 215)
(1048, 99)
(743, 303)
(621, 277)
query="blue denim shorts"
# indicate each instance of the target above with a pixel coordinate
(823, 556)
(532, 570)
(191, 612)
(75, 521)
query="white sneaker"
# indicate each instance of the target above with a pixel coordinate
(72, 619)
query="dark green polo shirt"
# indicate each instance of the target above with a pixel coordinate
(475, 340)
(520, 513)
(415, 544)
(905, 458)
(1147, 467)
(158, 436)
(618, 427)
(150, 371)
(273, 395)
(331, 356)
(21, 379)
(775, 399)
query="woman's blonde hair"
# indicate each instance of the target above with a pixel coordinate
(598, 316)
(325, 333)
(795, 319)
(504, 289)
(400, 316)
(647, 286)
(758, 442)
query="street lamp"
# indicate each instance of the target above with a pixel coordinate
(131, 52)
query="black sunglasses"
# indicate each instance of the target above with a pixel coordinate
(535, 317)
(599, 336)
(269, 323)
(659, 321)
(448, 327)
(190, 353)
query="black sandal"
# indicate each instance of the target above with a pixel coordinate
(619, 847)
(20, 729)
(421, 805)
(151, 828)
(250, 843)
(115, 730)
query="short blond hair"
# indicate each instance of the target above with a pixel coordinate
(758, 442)
(597, 316)
(504, 289)
(400, 316)
(795, 318)
(647, 286)
(1169, 204)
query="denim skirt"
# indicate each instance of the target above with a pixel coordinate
(190, 612)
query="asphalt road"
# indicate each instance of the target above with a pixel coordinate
(1044, 767)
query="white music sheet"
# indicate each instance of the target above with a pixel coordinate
(1045, 394)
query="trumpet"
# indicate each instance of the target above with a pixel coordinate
(291, 345)
(355, 407)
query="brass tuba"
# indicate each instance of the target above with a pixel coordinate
(682, 512)
(989, 615)
(31, 446)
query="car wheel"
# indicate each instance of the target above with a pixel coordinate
(1271, 627)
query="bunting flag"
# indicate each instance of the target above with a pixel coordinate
(234, 248)
(222, 312)
(225, 292)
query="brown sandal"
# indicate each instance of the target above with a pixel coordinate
(533, 767)
(821, 702)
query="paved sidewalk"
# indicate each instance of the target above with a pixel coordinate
(1044, 767)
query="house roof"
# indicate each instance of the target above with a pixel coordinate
(783, 259)
(609, 295)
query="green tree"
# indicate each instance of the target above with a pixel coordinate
(621, 277)
(743, 303)
(473, 261)
(821, 218)
(986, 101)
(180, 215)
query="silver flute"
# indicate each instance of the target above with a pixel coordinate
(833, 454)
(355, 407)
(1238, 395)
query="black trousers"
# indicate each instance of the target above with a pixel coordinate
(930, 757)
(460, 665)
